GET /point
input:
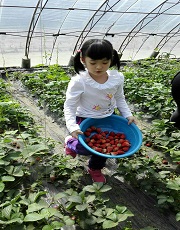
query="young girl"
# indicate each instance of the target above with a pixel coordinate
(176, 96)
(93, 93)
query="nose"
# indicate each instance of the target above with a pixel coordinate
(99, 66)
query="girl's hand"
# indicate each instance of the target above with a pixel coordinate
(76, 133)
(131, 119)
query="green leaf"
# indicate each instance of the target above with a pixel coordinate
(97, 187)
(68, 221)
(2, 162)
(57, 224)
(75, 199)
(9, 169)
(34, 196)
(18, 171)
(6, 212)
(59, 196)
(105, 188)
(48, 212)
(15, 220)
(14, 156)
(90, 199)
(34, 207)
(81, 207)
(32, 217)
(98, 213)
(31, 150)
(2, 186)
(178, 216)
(47, 227)
(121, 209)
(174, 184)
(123, 217)
(89, 188)
(109, 224)
(162, 200)
(8, 178)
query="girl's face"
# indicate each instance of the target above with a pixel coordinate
(97, 68)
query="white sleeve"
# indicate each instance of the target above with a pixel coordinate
(121, 101)
(73, 94)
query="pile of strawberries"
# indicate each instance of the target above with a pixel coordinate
(107, 142)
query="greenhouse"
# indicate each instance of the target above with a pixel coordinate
(90, 115)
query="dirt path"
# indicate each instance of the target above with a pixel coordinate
(143, 206)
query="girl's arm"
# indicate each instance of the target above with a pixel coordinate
(122, 104)
(73, 94)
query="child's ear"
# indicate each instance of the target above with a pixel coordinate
(82, 60)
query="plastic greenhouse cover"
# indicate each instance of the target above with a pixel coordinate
(50, 31)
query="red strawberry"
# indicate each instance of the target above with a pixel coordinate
(125, 149)
(98, 149)
(125, 144)
(114, 153)
(120, 152)
(90, 144)
(98, 130)
(123, 136)
(148, 144)
(93, 128)
(87, 134)
(112, 134)
(107, 144)
(121, 141)
(99, 136)
(88, 130)
(103, 134)
(109, 149)
(112, 142)
(164, 161)
(103, 146)
(103, 141)
(87, 139)
(115, 149)
(94, 136)
(118, 135)
(92, 141)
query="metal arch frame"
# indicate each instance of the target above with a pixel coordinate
(174, 46)
(167, 37)
(117, 20)
(32, 26)
(81, 36)
(56, 36)
(141, 22)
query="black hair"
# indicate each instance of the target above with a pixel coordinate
(96, 49)
(176, 89)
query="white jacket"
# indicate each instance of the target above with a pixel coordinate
(87, 98)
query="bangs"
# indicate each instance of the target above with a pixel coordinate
(99, 51)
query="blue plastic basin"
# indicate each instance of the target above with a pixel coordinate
(117, 124)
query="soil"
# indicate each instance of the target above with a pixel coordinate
(143, 206)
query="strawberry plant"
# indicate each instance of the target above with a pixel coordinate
(89, 208)
(27, 162)
(48, 86)
(148, 88)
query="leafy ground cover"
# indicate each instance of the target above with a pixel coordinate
(147, 87)
(27, 161)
